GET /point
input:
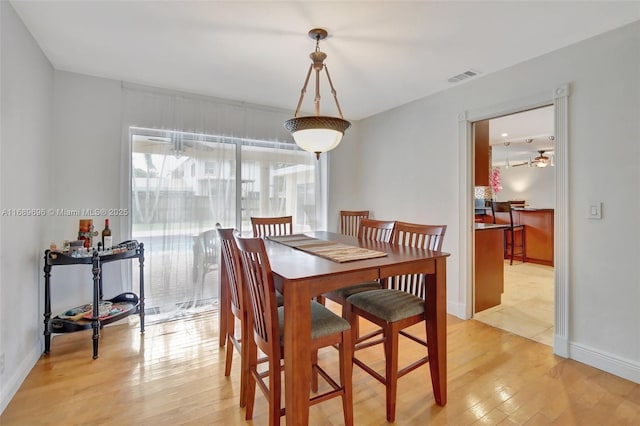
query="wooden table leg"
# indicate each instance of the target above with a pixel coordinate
(297, 352)
(437, 329)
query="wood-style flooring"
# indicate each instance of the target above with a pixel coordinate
(527, 307)
(174, 375)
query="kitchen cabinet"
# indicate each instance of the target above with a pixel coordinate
(482, 153)
(488, 265)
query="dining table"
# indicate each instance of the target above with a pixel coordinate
(301, 276)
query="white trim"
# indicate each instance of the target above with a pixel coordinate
(559, 98)
(561, 221)
(605, 361)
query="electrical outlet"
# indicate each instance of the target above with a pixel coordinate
(1, 363)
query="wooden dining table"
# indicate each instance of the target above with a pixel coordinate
(300, 276)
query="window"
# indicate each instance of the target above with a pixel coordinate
(184, 183)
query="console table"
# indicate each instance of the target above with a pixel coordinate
(130, 302)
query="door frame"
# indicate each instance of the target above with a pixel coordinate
(559, 97)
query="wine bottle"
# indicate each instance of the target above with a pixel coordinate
(107, 240)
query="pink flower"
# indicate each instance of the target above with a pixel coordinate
(494, 180)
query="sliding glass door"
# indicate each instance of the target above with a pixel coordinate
(183, 184)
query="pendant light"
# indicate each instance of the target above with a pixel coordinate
(317, 133)
(507, 165)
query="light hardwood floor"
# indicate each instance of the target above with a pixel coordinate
(174, 375)
(527, 303)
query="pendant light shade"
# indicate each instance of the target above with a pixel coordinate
(317, 133)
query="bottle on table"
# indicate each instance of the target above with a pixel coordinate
(107, 239)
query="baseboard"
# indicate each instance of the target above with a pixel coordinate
(627, 369)
(10, 387)
(457, 309)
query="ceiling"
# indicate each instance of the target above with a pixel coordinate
(526, 133)
(381, 54)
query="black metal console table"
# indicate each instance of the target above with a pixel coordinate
(133, 303)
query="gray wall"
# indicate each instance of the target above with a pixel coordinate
(406, 167)
(25, 183)
(401, 164)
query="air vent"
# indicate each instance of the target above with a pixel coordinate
(467, 74)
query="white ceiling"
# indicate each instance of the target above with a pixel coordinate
(381, 54)
(526, 133)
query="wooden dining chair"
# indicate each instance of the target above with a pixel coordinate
(399, 305)
(514, 236)
(236, 308)
(368, 230)
(272, 226)
(350, 221)
(267, 322)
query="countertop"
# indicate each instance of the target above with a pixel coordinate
(531, 209)
(485, 226)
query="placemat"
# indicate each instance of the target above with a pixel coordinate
(335, 251)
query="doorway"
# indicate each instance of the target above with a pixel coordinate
(520, 159)
(559, 97)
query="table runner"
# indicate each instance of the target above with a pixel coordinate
(332, 250)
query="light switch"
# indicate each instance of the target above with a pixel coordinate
(595, 210)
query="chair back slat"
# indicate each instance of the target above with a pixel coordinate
(260, 290)
(231, 263)
(272, 226)
(428, 237)
(376, 230)
(350, 221)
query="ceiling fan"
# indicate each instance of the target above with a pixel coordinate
(541, 160)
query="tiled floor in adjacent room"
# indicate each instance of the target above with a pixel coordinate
(527, 303)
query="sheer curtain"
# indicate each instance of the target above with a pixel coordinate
(195, 162)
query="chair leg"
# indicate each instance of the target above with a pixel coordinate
(391, 382)
(252, 364)
(275, 390)
(230, 333)
(346, 372)
(512, 247)
(314, 372)
(355, 326)
(244, 361)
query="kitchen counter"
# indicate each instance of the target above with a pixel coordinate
(539, 230)
(485, 226)
(488, 265)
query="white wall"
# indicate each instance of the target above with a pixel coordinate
(402, 164)
(27, 167)
(534, 185)
(407, 161)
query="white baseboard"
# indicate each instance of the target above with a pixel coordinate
(627, 369)
(10, 386)
(457, 309)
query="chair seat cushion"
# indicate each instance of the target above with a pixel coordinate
(345, 292)
(389, 305)
(323, 322)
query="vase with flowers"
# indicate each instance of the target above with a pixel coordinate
(495, 182)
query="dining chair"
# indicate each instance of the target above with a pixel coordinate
(514, 230)
(236, 308)
(266, 320)
(350, 221)
(400, 304)
(272, 226)
(368, 230)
